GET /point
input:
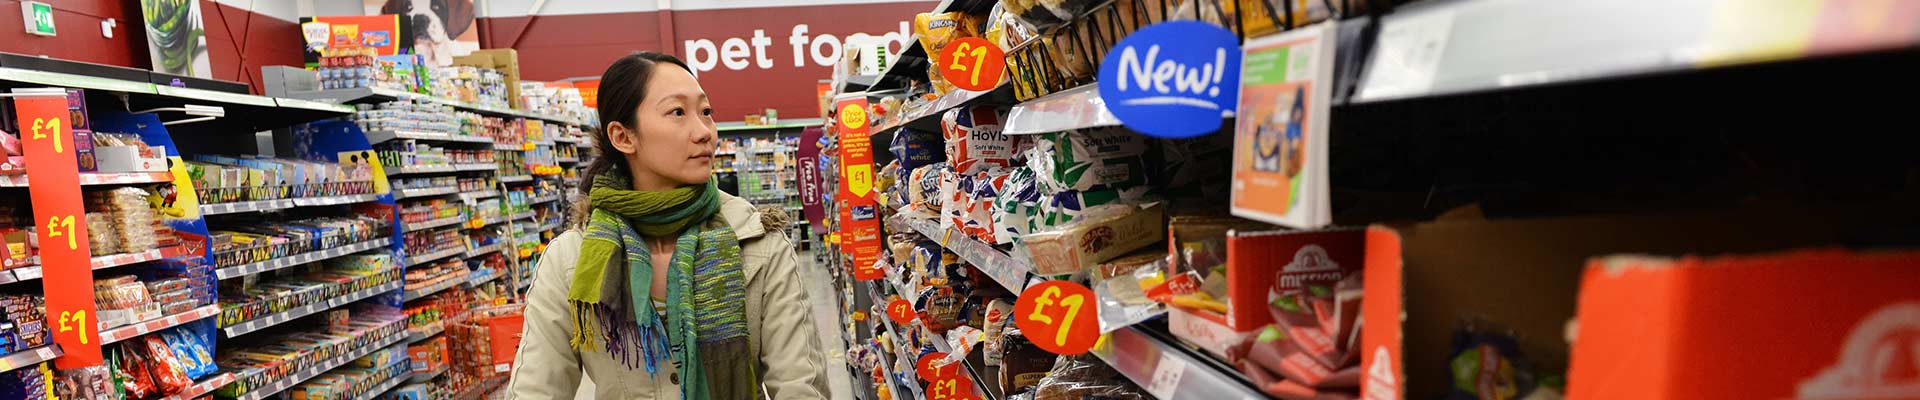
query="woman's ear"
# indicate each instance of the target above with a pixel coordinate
(623, 139)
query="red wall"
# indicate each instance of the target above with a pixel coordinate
(557, 47)
(238, 41)
(79, 25)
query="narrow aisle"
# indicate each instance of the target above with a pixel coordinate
(820, 288)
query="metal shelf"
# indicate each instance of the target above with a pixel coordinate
(32, 272)
(1010, 271)
(483, 250)
(385, 135)
(142, 328)
(298, 259)
(258, 323)
(335, 200)
(29, 357)
(434, 223)
(445, 282)
(927, 117)
(434, 256)
(288, 382)
(1076, 108)
(427, 333)
(515, 179)
(93, 179)
(480, 195)
(246, 207)
(374, 95)
(475, 167)
(425, 192)
(395, 381)
(205, 386)
(420, 170)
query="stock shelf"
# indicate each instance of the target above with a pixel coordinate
(258, 323)
(424, 192)
(154, 325)
(298, 259)
(288, 382)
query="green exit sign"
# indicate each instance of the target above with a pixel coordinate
(38, 17)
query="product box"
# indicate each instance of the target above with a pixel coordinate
(1259, 265)
(1091, 242)
(1421, 280)
(507, 61)
(128, 159)
(1834, 324)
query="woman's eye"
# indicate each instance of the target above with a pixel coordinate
(707, 112)
(678, 112)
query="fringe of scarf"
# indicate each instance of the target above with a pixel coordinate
(705, 327)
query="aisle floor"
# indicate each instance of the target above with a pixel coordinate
(820, 290)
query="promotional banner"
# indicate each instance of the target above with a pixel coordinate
(176, 40)
(46, 127)
(1173, 80)
(807, 164)
(1280, 138)
(859, 210)
(383, 33)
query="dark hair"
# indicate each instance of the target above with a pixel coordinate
(622, 88)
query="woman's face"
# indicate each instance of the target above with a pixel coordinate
(672, 144)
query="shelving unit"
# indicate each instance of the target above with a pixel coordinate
(263, 322)
(288, 382)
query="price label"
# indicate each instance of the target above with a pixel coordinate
(476, 223)
(973, 64)
(951, 387)
(900, 311)
(859, 316)
(1060, 317)
(930, 373)
(67, 265)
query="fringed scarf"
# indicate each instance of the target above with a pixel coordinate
(705, 327)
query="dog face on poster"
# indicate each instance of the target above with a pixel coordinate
(442, 29)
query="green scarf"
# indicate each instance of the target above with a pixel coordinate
(705, 327)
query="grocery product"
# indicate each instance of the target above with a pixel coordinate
(975, 142)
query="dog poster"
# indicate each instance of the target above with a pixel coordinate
(442, 29)
(176, 39)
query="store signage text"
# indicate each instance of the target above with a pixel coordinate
(1173, 80)
(757, 52)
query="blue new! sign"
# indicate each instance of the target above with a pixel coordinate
(1174, 79)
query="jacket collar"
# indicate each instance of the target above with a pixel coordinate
(742, 216)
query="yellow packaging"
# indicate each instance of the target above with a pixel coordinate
(936, 30)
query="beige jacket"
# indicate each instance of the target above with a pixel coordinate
(783, 334)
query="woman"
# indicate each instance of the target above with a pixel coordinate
(668, 288)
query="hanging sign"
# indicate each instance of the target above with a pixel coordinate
(1060, 317)
(859, 210)
(951, 387)
(807, 165)
(900, 311)
(1173, 80)
(929, 371)
(973, 64)
(46, 126)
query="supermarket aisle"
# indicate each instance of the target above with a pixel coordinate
(820, 288)
(820, 285)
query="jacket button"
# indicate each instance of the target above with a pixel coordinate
(674, 377)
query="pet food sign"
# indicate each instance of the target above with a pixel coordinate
(1173, 80)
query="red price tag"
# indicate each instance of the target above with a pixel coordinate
(1059, 316)
(67, 271)
(929, 373)
(951, 387)
(973, 64)
(859, 316)
(901, 312)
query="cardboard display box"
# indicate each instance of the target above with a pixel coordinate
(1526, 275)
(1819, 324)
(507, 61)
